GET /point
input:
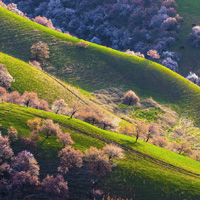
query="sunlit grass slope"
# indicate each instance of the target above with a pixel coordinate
(97, 67)
(138, 173)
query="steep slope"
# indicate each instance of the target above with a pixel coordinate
(189, 10)
(160, 173)
(97, 67)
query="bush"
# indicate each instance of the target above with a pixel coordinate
(82, 44)
(40, 52)
(130, 98)
(5, 78)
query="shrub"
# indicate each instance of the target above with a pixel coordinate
(130, 98)
(36, 64)
(160, 142)
(82, 44)
(5, 78)
(69, 158)
(40, 52)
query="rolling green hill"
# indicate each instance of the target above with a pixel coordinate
(98, 67)
(147, 171)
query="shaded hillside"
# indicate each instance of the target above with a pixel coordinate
(189, 10)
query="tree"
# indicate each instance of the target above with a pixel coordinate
(6, 153)
(74, 108)
(12, 134)
(55, 188)
(40, 52)
(25, 161)
(130, 98)
(65, 138)
(185, 148)
(28, 144)
(29, 99)
(49, 128)
(171, 64)
(97, 162)
(5, 78)
(22, 184)
(153, 130)
(113, 151)
(59, 106)
(44, 21)
(69, 158)
(153, 54)
(160, 142)
(141, 130)
(91, 115)
(34, 124)
(14, 98)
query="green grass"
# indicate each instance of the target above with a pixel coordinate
(189, 10)
(98, 67)
(133, 175)
(147, 114)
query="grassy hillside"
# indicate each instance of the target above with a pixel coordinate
(28, 78)
(147, 171)
(189, 10)
(97, 67)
